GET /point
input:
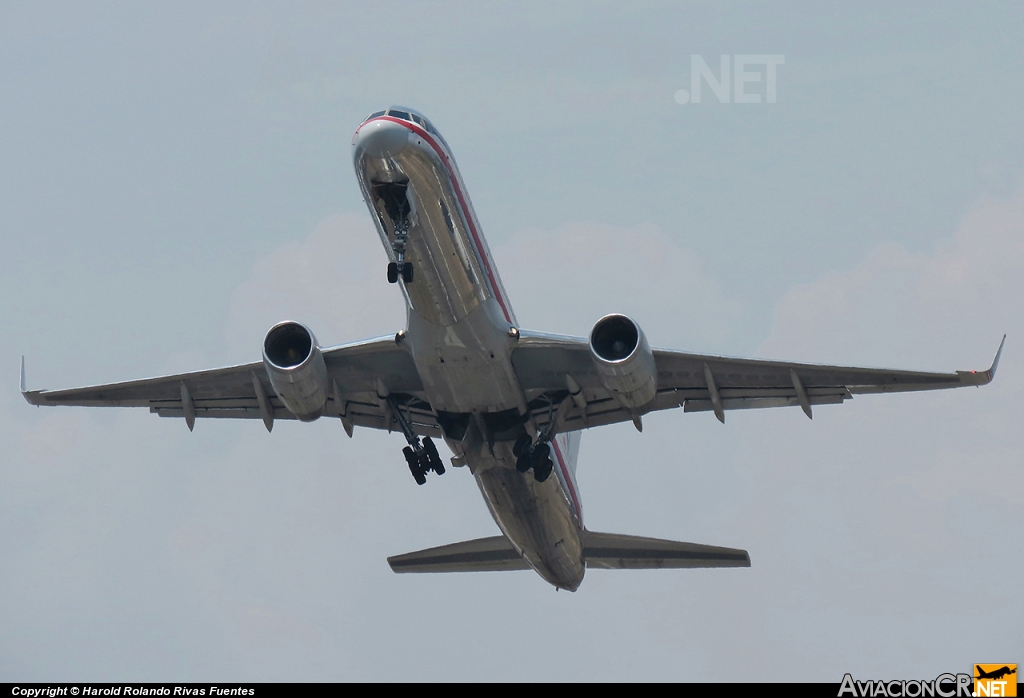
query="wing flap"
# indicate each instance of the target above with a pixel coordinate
(613, 551)
(494, 554)
(756, 401)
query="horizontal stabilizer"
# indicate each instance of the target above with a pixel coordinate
(617, 552)
(494, 554)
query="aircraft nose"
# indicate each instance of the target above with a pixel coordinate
(381, 138)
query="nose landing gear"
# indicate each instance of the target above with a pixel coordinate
(393, 198)
(398, 245)
(404, 270)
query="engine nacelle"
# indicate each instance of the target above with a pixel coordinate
(296, 369)
(624, 360)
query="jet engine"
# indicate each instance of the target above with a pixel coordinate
(296, 369)
(624, 361)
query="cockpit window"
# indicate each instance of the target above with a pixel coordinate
(414, 118)
(374, 115)
(435, 133)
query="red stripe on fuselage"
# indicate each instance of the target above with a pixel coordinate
(491, 276)
(567, 477)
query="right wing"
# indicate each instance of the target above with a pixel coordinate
(545, 364)
(232, 392)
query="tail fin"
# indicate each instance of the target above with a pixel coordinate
(614, 551)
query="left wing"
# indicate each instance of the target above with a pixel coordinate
(552, 368)
(236, 392)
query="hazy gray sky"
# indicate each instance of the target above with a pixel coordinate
(176, 178)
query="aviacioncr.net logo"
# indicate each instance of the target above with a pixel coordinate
(942, 686)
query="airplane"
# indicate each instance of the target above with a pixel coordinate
(996, 674)
(510, 403)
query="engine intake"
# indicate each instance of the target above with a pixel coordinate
(624, 361)
(296, 369)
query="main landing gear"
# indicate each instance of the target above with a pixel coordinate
(533, 455)
(422, 457)
(424, 460)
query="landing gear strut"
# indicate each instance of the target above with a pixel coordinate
(393, 198)
(421, 457)
(537, 454)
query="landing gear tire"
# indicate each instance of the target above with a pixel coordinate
(392, 273)
(523, 463)
(433, 457)
(414, 465)
(521, 446)
(542, 471)
(407, 272)
(539, 455)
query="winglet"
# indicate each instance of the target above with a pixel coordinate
(32, 397)
(995, 362)
(983, 377)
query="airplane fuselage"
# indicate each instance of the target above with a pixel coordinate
(461, 332)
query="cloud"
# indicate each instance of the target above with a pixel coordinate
(944, 309)
(564, 279)
(333, 281)
(948, 304)
(560, 280)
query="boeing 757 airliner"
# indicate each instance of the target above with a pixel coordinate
(509, 403)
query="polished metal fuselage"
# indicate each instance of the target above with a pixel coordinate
(461, 334)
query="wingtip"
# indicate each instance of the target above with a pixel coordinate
(32, 397)
(979, 378)
(995, 361)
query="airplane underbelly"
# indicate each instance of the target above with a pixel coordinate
(466, 367)
(535, 516)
